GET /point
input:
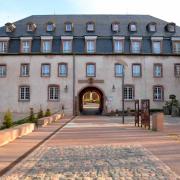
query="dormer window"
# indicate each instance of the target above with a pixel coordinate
(90, 27)
(90, 44)
(68, 27)
(115, 27)
(132, 27)
(171, 27)
(151, 27)
(50, 27)
(4, 43)
(10, 27)
(31, 27)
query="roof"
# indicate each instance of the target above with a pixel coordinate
(102, 25)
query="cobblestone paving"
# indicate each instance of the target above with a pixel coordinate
(105, 162)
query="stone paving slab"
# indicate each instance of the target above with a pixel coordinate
(101, 162)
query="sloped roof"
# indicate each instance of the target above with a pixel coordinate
(102, 25)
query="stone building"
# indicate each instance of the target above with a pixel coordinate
(54, 60)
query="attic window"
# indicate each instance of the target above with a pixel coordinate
(90, 26)
(10, 27)
(171, 27)
(132, 27)
(31, 27)
(68, 27)
(115, 27)
(50, 26)
(151, 27)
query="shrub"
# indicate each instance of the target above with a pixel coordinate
(31, 116)
(8, 119)
(40, 114)
(48, 112)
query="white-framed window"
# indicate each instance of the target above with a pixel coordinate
(118, 70)
(31, 27)
(67, 46)
(176, 47)
(3, 46)
(50, 27)
(115, 27)
(90, 46)
(68, 27)
(132, 27)
(171, 27)
(135, 46)
(3, 70)
(62, 69)
(177, 70)
(136, 70)
(90, 26)
(26, 46)
(129, 92)
(152, 27)
(156, 47)
(45, 70)
(24, 93)
(53, 93)
(158, 70)
(46, 46)
(158, 93)
(118, 46)
(24, 70)
(90, 70)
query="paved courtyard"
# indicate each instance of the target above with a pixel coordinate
(97, 147)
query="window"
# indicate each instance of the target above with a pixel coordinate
(90, 46)
(24, 71)
(118, 70)
(90, 26)
(158, 93)
(158, 70)
(90, 70)
(68, 27)
(156, 47)
(115, 27)
(132, 27)
(10, 27)
(62, 69)
(45, 70)
(177, 70)
(24, 93)
(46, 46)
(135, 46)
(129, 92)
(118, 46)
(2, 70)
(67, 46)
(53, 93)
(176, 47)
(136, 70)
(3, 46)
(26, 46)
(171, 27)
(50, 27)
(151, 27)
(31, 27)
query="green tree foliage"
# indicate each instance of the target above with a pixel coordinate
(8, 119)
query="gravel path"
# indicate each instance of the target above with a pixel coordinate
(105, 162)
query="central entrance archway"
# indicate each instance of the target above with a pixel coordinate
(91, 101)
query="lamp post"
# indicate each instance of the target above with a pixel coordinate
(123, 93)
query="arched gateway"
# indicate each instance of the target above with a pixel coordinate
(91, 101)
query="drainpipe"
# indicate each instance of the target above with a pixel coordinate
(123, 94)
(74, 79)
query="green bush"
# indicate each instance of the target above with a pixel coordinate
(40, 114)
(48, 112)
(8, 119)
(31, 116)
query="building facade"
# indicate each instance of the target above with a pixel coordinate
(53, 60)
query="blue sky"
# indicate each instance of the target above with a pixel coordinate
(12, 10)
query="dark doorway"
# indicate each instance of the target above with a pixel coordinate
(91, 101)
